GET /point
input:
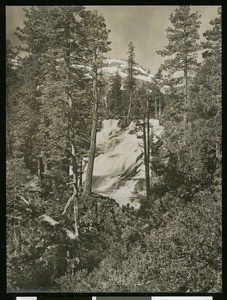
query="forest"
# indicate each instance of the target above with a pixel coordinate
(63, 235)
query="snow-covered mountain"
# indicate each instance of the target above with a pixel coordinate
(113, 65)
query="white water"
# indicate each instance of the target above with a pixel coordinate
(119, 168)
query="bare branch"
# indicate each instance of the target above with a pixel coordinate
(68, 203)
(52, 222)
(23, 199)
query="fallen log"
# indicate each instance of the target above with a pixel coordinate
(45, 218)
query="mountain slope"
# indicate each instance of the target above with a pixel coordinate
(112, 66)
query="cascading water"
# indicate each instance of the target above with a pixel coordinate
(118, 168)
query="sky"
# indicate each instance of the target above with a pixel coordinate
(143, 25)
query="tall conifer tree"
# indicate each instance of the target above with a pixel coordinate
(130, 80)
(96, 43)
(182, 48)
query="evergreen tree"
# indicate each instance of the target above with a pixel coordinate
(11, 78)
(214, 53)
(206, 108)
(186, 158)
(182, 48)
(158, 97)
(213, 44)
(115, 96)
(172, 161)
(52, 100)
(130, 80)
(24, 112)
(96, 41)
(142, 116)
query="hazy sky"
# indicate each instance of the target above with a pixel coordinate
(143, 25)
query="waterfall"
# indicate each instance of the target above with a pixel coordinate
(118, 168)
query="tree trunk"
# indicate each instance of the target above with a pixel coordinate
(146, 160)
(155, 106)
(186, 91)
(75, 189)
(90, 166)
(40, 169)
(160, 109)
(130, 104)
(148, 144)
(72, 135)
(74, 170)
(81, 173)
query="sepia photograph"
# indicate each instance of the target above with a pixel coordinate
(114, 149)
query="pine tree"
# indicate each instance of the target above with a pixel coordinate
(214, 52)
(213, 44)
(115, 97)
(58, 56)
(142, 116)
(156, 85)
(130, 80)
(178, 73)
(206, 108)
(183, 45)
(52, 37)
(11, 78)
(96, 42)
(189, 157)
(24, 113)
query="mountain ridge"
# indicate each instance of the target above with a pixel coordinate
(114, 65)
